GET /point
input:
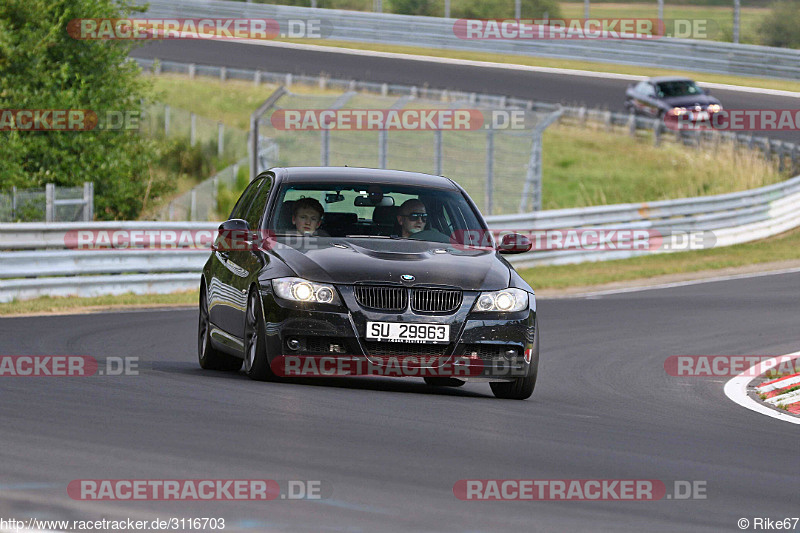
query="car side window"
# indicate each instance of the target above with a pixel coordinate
(241, 207)
(258, 204)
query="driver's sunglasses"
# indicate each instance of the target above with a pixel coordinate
(413, 217)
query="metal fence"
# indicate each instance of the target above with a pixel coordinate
(173, 122)
(491, 164)
(505, 179)
(438, 33)
(51, 204)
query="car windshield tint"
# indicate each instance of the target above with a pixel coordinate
(364, 210)
(679, 88)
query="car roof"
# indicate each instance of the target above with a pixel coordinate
(660, 79)
(360, 175)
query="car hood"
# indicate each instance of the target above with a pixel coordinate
(349, 261)
(690, 100)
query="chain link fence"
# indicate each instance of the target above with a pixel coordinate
(492, 163)
(50, 204)
(172, 122)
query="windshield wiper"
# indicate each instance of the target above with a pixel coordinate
(368, 236)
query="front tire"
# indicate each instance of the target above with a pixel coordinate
(256, 363)
(209, 357)
(520, 388)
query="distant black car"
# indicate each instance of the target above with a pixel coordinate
(667, 96)
(357, 287)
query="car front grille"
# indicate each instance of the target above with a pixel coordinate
(383, 298)
(423, 300)
(435, 300)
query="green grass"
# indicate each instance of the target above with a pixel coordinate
(578, 167)
(230, 102)
(583, 166)
(778, 248)
(66, 305)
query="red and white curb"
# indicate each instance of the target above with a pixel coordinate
(779, 392)
(736, 390)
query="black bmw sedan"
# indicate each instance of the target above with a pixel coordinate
(668, 97)
(371, 267)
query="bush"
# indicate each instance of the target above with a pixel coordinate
(782, 26)
(226, 197)
(177, 156)
(42, 67)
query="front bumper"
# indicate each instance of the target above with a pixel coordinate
(482, 346)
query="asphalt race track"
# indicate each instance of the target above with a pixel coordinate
(540, 86)
(390, 451)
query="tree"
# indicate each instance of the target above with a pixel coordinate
(42, 67)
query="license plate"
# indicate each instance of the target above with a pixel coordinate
(702, 115)
(399, 332)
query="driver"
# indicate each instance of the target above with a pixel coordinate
(412, 218)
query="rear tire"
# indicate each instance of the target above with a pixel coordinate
(520, 388)
(443, 382)
(209, 357)
(256, 362)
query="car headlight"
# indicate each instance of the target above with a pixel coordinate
(301, 290)
(677, 111)
(504, 301)
(714, 108)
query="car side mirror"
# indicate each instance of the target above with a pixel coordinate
(233, 234)
(514, 243)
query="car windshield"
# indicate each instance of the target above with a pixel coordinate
(669, 89)
(365, 210)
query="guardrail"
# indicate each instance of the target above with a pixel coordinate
(434, 32)
(35, 260)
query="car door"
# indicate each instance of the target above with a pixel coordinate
(246, 262)
(224, 296)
